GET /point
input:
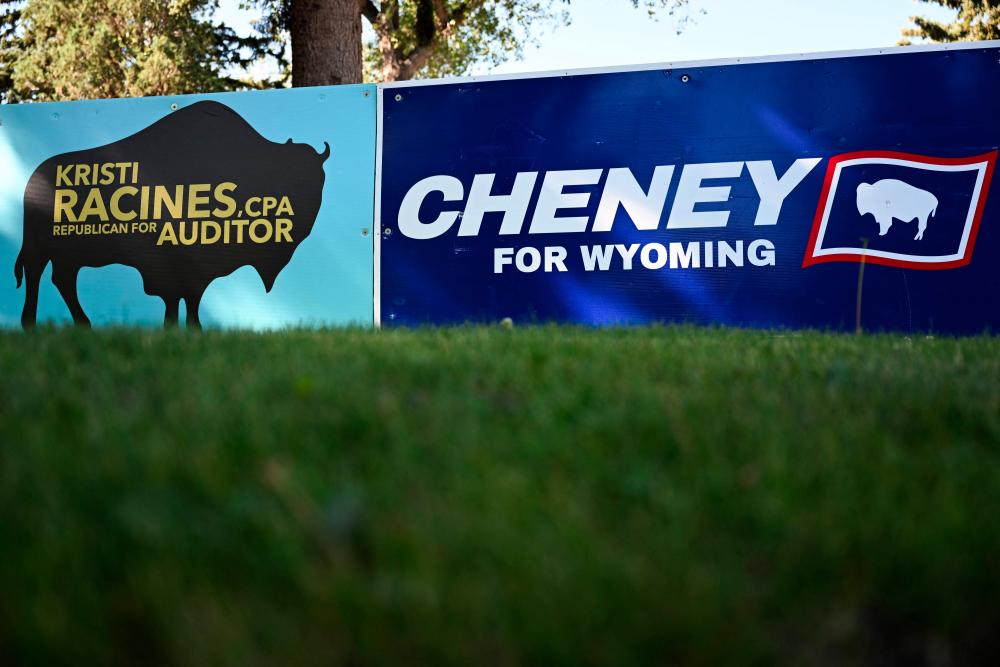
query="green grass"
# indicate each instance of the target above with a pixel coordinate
(542, 495)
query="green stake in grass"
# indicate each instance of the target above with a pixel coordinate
(861, 282)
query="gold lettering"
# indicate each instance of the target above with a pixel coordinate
(220, 196)
(186, 239)
(251, 206)
(197, 198)
(94, 205)
(62, 174)
(283, 230)
(206, 226)
(82, 174)
(239, 225)
(116, 211)
(161, 198)
(107, 173)
(167, 235)
(257, 238)
(65, 201)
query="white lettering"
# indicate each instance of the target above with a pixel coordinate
(644, 208)
(627, 254)
(773, 191)
(502, 258)
(409, 211)
(761, 253)
(690, 192)
(684, 258)
(675, 255)
(729, 254)
(529, 265)
(555, 258)
(552, 199)
(661, 256)
(597, 257)
(513, 206)
(621, 193)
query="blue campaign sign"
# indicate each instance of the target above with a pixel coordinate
(235, 209)
(740, 193)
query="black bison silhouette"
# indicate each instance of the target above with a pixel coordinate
(201, 170)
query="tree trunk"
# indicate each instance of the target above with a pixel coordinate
(326, 42)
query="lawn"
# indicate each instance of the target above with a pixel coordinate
(481, 495)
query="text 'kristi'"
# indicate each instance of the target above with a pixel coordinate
(105, 199)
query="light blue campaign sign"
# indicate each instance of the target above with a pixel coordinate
(138, 210)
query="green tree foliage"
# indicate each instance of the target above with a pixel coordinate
(415, 38)
(73, 49)
(10, 42)
(432, 38)
(974, 20)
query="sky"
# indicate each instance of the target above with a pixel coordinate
(610, 32)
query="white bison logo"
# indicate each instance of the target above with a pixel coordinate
(890, 199)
